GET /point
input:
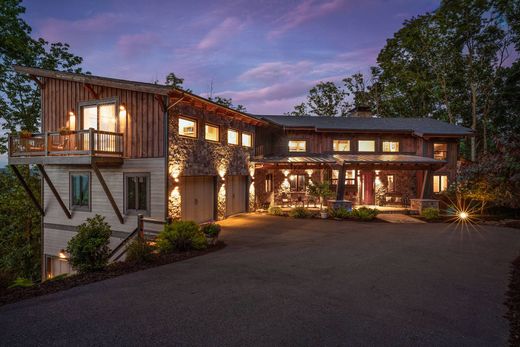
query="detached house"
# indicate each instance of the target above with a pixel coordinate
(121, 148)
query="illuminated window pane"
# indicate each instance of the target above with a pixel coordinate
(246, 140)
(297, 146)
(232, 137)
(212, 133)
(440, 183)
(187, 127)
(390, 146)
(440, 151)
(390, 183)
(366, 146)
(341, 145)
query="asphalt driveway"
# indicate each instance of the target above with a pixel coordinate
(290, 282)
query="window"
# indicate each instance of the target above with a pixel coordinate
(99, 115)
(390, 183)
(80, 191)
(136, 193)
(232, 137)
(247, 140)
(440, 183)
(297, 146)
(350, 177)
(341, 145)
(390, 146)
(366, 146)
(187, 127)
(297, 183)
(268, 183)
(212, 132)
(440, 151)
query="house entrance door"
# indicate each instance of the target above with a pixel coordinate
(368, 187)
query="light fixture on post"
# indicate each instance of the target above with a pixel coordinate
(72, 120)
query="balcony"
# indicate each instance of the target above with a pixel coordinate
(70, 147)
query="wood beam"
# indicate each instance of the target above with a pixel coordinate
(107, 192)
(27, 189)
(91, 90)
(38, 81)
(340, 190)
(161, 102)
(54, 191)
(424, 182)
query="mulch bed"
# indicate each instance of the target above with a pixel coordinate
(8, 296)
(513, 303)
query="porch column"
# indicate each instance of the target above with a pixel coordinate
(340, 191)
(426, 186)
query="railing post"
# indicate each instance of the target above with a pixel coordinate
(140, 226)
(91, 140)
(46, 143)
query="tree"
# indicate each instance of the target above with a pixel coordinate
(327, 99)
(176, 82)
(20, 97)
(227, 102)
(299, 110)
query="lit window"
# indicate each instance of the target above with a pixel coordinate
(269, 183)
(80, 190)
(390, 146)
(211, 133)
(297, 183)
(297, 146)
(341, 145)
(246, 140)
(187, 127)
(440, 183)
(232, 137)
(366, 146)
(137, 193)
(440, 151)
(350, 177)
(390, 185)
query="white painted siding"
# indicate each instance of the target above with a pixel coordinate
(55, 239)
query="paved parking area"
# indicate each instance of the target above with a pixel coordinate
(290, 282)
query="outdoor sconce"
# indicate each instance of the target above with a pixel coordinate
(63, 254)
(286, 173)
(72, 120)
(309, 172)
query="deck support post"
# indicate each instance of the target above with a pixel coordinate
(340, 191)
(107, 192)
(54, 191)
(424, 190)
(27, 189)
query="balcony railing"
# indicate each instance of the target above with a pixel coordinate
(89, 142)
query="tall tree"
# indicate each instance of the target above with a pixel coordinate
(327, 99)
(176, 81)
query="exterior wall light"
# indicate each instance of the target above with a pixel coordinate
(72, 120)
(63, 254)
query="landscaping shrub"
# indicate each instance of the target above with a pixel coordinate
(88, 249)
(365, 213)
(181, 236)
(513, 303)
(211, 229)
(430, 213)
(340, 212)
(275, 211)
(139, 251)
(299, 212)
(21, 283)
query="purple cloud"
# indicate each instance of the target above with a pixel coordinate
(229, 27)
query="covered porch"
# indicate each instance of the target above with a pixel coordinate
(388, 181)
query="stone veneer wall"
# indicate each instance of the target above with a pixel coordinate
(199, 157)
(405, 183)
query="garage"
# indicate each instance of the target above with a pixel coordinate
(235, 194)
(197, 198)
(56, 267)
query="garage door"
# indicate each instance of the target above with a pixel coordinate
(235, 194)
(57, 266)
(198, 198)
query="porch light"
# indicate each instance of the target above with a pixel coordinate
(309, 172)
(463, 215)
(286, 173)
(63, 254)
(122, 116)
(72, 120)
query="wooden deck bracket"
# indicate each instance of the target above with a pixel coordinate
(424, 182)
(91, 90)
(54, 191)
(107, 192)
(38, 81)
(160, 100)
(27, 189)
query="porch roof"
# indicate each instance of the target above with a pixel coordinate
(310, 159)
(386, 159)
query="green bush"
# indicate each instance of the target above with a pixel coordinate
(181, 236)
(275, 211)
(365, 213)
(211, 229)
(299, 212)
(139, 251)
(21, 283)
(340, 212)
(88, 249)
(430, 213)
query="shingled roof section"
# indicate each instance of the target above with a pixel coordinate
(417, 126)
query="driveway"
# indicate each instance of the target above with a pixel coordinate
(291, 282)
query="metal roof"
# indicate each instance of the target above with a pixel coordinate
(417, 126)
(386, 159)
(311, 159)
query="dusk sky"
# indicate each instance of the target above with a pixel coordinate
(264, 54)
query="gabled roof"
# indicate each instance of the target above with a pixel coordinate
(416, 126)
(152, 88)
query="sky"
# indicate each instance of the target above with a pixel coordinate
(263, 54)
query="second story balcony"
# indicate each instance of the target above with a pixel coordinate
(66, 147)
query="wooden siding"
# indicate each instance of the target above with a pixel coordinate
(143, 127)
(114, 177)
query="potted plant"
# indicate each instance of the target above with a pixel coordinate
(211, 231)
(25, 134)
(321, 191)
(65, 131)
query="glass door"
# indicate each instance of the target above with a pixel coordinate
(100, 117)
